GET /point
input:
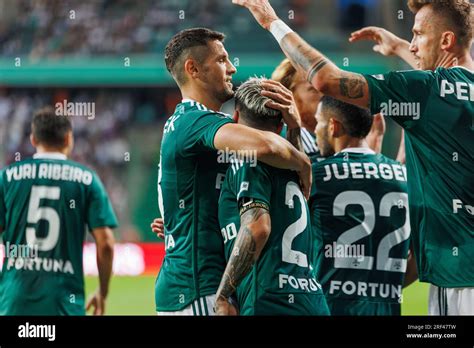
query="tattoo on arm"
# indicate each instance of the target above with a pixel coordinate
(244, 255)
(318, 66)
(294, 137)
(352, 86)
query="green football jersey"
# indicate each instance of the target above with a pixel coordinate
(359, 212)
(189, 181)
(282, 281)
(437, 111)
(45, 205)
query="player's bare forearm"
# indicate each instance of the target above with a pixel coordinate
(250, 241)
(323, 74)
(294, 137)
(269, 147)
(105, 257)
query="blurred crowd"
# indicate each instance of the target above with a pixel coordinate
(103, 142)
(53, 28)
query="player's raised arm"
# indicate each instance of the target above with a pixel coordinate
(270, 148)
(105, 241)
(386, 43)
(253, 234)
(324, 75)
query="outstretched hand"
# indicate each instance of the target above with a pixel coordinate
(386, 42)
(261, 10)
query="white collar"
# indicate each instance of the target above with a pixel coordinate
(463, 67)
(194, 102)
(50, 155)
(361, 150)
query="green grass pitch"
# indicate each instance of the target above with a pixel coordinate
(136, 296)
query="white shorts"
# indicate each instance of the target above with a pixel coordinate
(202, 307)
(451, 301)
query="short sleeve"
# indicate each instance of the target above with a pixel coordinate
(252, 181)
(203, 130)
(100, 212)
(401, 95)
(3, 212)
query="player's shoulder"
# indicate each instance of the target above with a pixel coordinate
(193, 110)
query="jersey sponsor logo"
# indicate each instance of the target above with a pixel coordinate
(461, 90)
(356, 170)
(458, 204)
(40, 264)
(49, 171)
(401, 109)
(37, 331)
(363, 289)
(305, 284)
(243, 187)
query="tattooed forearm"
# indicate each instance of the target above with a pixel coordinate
(244, 255)
(318, 66)
(294, 137)
(352, 86)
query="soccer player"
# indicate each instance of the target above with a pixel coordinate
(265, 226)
(436, 109)
(307, 99)
(46, 203)
(359, 210)
(197, 141)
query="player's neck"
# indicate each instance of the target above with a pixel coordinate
(206, 100)
(351, 143)
(466, 61)
(40, 149)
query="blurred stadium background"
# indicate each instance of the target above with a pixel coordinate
(110, 52)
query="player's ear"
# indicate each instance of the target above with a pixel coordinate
(33, 140)
(332, 127)
(236, 116)
(448, 40)
(69, 141)
(191, 68)
(338, 129)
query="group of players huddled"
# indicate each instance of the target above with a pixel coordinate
(287, 207)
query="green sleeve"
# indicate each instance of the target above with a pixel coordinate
(253, 182)
(390, 90)
(2, 201)
(100, 212)
(203, 129)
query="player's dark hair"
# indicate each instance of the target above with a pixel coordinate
(251, 105)
(457, 13)
(185, 44)
(50, 129)
(357, 122)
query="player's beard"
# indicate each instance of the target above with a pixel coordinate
(224, 95)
